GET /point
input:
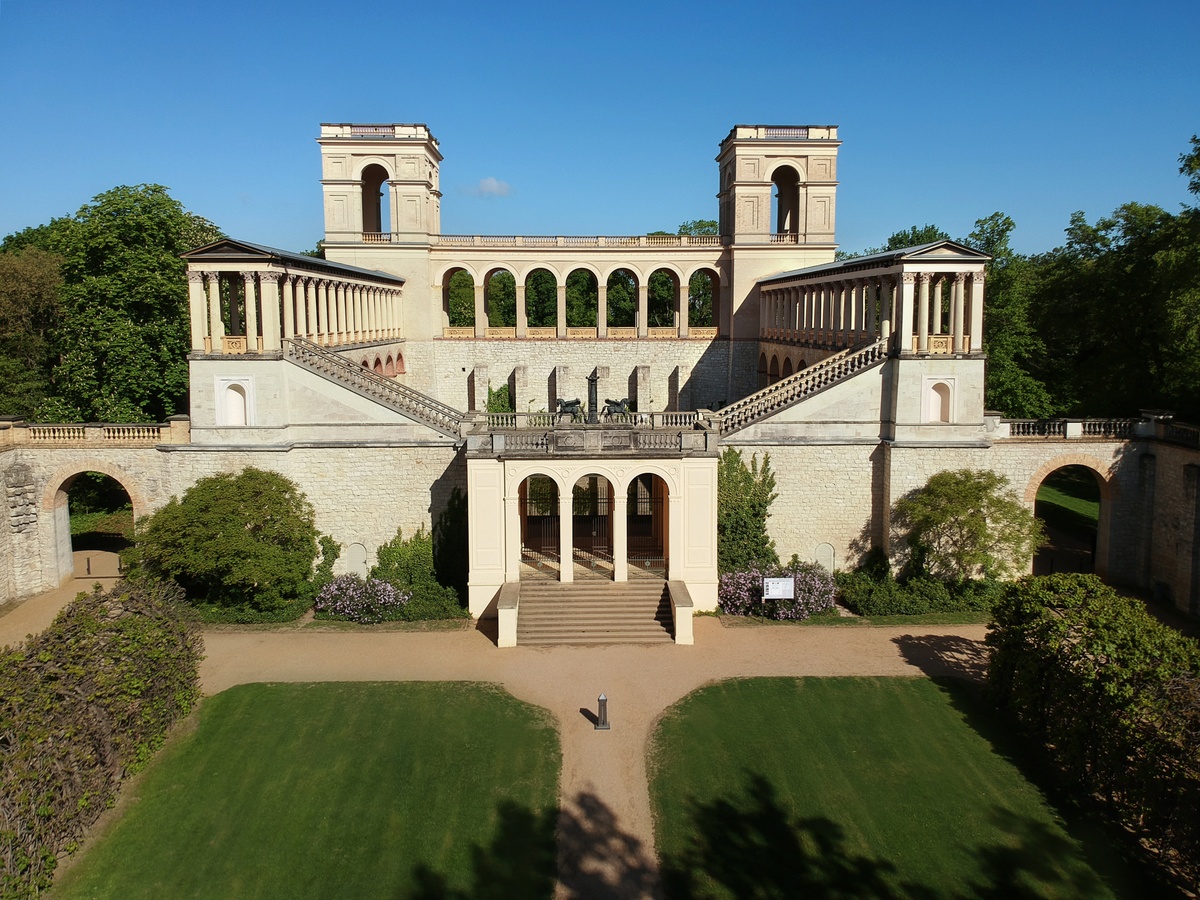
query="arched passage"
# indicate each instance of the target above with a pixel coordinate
(541, 299)
(787, 367)
(663, 289)
(1069, 502)
(375, 207)
(538, 504)
(703, 291)
(458, 298)
(500, 298)
(582, 299)
(592, 526)
(622, 299)
(92, 511)
(773, 371)
(647, 527)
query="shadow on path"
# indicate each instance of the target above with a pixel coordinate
(944, 654)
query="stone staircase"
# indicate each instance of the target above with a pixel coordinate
(805, 383)
(385, 391)
(594, 612)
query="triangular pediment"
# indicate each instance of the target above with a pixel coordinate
(942, 250)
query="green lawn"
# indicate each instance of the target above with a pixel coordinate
(860, 787)
(340, 790)
(1069, 499)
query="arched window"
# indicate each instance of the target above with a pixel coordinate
(235, 405)
(541, 299)
(400, 364)
(703, 294)
(376, 213)
(786, 201)
(939, 402)
(389, 367)
(378, 366)
(787, 368)
(660, 300)
(622, 299)
(458, 298)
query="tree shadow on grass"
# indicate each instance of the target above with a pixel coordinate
(944, 654)
(596, 859)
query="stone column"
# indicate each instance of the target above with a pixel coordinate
(197, 307)
(620, 530)
(886, 306)
(923, 314)
(355, 318)
(870, 309)
(566, 533)
(684, 297)
(323, 313)
(643, 309)
(522, 313)
(957, 311)
(300, 292)
(216, 327)
(904, 310)
(481, 322)
(976, 312)
(310, 300)
(935, 302)
(269, 284)
(252, 345)
(561, 313)
(343, 317)
(288, 292)
(601, 309)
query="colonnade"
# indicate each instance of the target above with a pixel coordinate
(907, 307)
(259, 308)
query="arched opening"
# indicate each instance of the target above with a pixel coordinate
(375, 206)
(235, 405)
(773, 371)
(538, 502)
(703, 291)
(785, 201)
(500, 299)
(583, 299)
(762, 371)
(591, 527)
(1068, 503)
(366, 364)
(647, 527)
(622, 297)
(662, 289)
(98, 526)
(458, 298)
(787, 367)
(389, 367)
(541, 299)
(939, 402)
(378, 366)
(400, 370)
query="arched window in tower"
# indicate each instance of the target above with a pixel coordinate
(939, 401)
(785, 200)
(235, 405)
(377, 218)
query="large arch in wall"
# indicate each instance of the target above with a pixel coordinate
(376, 207)
(54, 514)
(1109, 494)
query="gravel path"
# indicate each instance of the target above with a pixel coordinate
(606, 837)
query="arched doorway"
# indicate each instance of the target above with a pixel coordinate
(592, 527)
(646, 526)
(538, 501)
(375, 208)
(785, 201)
(703, 292)
(458, 299)
(1069, 504)
(94, 522)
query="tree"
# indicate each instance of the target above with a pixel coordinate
(461, 290)
(1189, 165)
(621, 299)
(541, 299)
(502, 300)
(660, 299)
(244, 541)
(913, 236)
(964, 523)
(583, 300)
(744, 497)
(30, 310)
(698, 227)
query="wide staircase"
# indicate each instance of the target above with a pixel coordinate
(594, 612)
(789, 391)
(385, 391)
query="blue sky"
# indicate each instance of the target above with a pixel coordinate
(601, 118)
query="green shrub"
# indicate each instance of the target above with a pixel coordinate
(407, 564)
(870, 594)
(242, 546)
(744, 497)
(82, 704)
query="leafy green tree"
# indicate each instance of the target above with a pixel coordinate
(30, 310)
(700, 300)
(1010, 339)
(697, 227)
(964, 523)
(461, 299)
(502, 300)
(621, 299)
(913, 236)
(660, 300)
(244, 542)
(123, 339)
(583, 300)
(1189, 165)
(541, 299)
(407, 563)
(744, 497)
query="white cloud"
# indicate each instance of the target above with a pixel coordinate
(491, 187)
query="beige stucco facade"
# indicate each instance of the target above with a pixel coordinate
(860, 378)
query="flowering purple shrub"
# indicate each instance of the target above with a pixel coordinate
(740, 593)
(350, 599)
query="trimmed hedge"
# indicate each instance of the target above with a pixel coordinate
(83, 704)
(872, 595)
(1114, 696)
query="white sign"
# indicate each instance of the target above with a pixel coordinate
(779, 588)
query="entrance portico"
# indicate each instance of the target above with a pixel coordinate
(516, 489)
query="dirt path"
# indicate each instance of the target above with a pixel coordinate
(606, 836)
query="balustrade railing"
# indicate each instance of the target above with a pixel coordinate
(541, 421)
(564, 240)
(400, 397)
(1067, 429)
(796, 387)
(1178, 433)
(21, 434)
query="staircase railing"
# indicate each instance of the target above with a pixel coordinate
(794, 388)
(424, 409)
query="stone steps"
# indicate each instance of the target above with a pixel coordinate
(594, 612)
